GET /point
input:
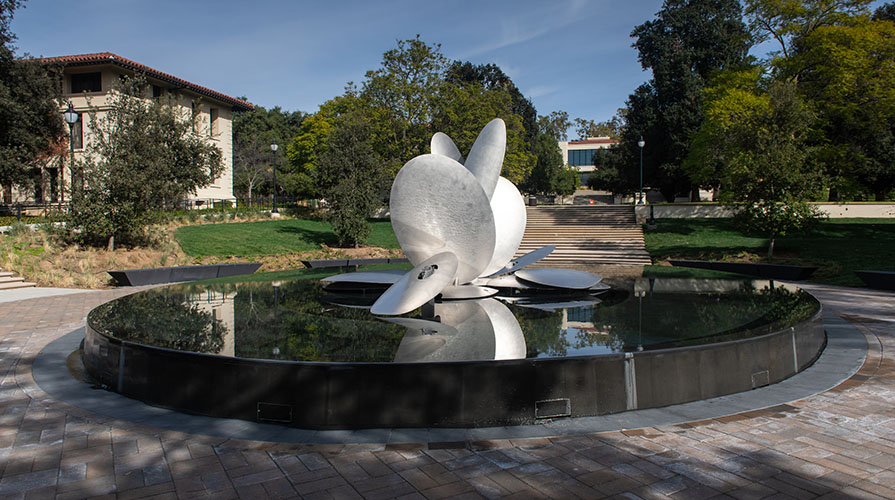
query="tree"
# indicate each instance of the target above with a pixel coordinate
(461, 111)
(848, 73)
(682, 46)
(566, 182)
(610, 128)
(30, 98)
(788, 21)
(764, 138)
(548, 167)
(355, 178)
(491, 77)
(556, 125)
(253, 132)
(404, 85)
(885, 12)
(144, 154)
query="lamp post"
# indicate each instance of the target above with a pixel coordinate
(640, 144)
(276, 320)
(274, 147)
(70, 117)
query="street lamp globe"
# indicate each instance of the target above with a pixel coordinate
(640, 144)
(274, 147)
(70, 115)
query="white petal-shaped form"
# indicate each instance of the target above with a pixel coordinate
(418, 286)
(383, 277)
(442, 145)
(509, 342)
(486, 157)
(525, 260)
(463, 292)
(509, 224)
(439, 206)
(559, 278)
(469, 330)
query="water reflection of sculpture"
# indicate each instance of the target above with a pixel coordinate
(460, 224)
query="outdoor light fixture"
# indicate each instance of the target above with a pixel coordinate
(274, 147)
(71, 117)
(640, 144)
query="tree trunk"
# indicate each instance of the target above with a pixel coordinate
(771, 247)
(112, 243)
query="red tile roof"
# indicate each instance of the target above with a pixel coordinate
(596, 140)
(110, 58)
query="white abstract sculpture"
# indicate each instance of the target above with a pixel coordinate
(460, 223)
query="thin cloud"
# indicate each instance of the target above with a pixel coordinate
(535, 23)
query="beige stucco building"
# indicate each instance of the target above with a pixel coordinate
(87, 82)
(580, 154)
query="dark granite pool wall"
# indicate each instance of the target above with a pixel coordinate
(463, 394)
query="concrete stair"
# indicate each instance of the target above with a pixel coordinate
(9, 281)
(585, 235)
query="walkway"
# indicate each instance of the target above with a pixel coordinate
(585, 235)
(837, 444)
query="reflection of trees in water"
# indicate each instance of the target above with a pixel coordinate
(681, 318)
(163, 318)
(301, 327)
(544, 333)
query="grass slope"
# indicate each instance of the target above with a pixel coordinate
(271, 237)
(838, 246)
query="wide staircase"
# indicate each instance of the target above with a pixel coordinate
(9, 281)
(585, 235)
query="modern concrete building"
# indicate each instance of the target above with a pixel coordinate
(88, 80)
(580, 154)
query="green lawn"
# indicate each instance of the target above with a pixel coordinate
(837, 246)
(271, 237)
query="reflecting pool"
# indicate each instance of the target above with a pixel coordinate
(301, 320)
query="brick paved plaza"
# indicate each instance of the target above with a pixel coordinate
(836, 444)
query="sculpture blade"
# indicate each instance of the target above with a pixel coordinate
(384, 277)
(509, 341)
(467, 292)
(559, 278)
(509, 209)
(486, 157)
(418, 286)
(442, 145)
(439, 206)
(525, 260)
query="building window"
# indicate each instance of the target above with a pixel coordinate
(157, 91)
(77, 132)
(86, 82)
(213, 121)
(581, 157)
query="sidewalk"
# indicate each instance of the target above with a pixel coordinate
(837, 444)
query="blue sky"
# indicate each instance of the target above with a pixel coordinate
(571, 55)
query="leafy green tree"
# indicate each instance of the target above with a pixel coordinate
(30, 97)
(788, 21)
(566, 182)
(354, 178)
(588, 128)
(849, 75)
(144, 154)
(682, 46)
(885, 12)
(253, 132)
(461, 111)
(764, 154)
(556, 125)
(491, 77)
(404, 85)
(548, 167)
